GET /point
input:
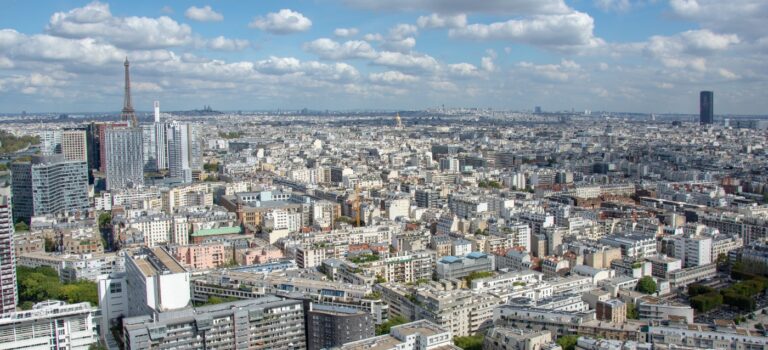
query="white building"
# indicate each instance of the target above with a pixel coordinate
(49, 325)
(693, 250)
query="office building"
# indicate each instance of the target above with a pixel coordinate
(458, 267)
(330, 326)
(8, 293)
(267, 322)
(124, 157)
(49, 185)
(707, 107)
(49, 325)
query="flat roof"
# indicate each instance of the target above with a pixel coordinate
(218, 231)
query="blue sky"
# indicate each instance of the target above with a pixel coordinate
(614, 55)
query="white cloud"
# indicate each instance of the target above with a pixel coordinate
(5, 63)
(442, 21)
(463, 70)
(345, 32)
(203, 14)
(225, 44)
(487, 64)
(406, 61)
(403, 45)
(686, 49)
(167, 10)
(94, 20)
(373, 37)
(569, 31)
(332, 50)
(613, 5)
(392, 77)
(743, 17)
(464, 6)
(727, 74)
(284, 21)
(402, 30)
(557, 73)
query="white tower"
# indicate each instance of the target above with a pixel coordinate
(157, 111)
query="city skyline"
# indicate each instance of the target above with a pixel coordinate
(357, 54)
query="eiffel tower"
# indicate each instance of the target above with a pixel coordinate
(128, 112)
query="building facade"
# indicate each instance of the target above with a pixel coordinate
(49, 185)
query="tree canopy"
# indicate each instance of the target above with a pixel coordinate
(646, 285)
(42, 283)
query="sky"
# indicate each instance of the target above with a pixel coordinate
(649, 56)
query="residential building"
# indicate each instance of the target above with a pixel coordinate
(49, 185)
(50, 324)
(263, 323)
(502, 338)
(418, 335)
(331, 326)
(8, 294)
(123, 157)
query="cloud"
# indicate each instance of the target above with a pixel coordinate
(419, 62)
(442, 21)
(167, 10)
(551, 73)
(562, 32)
(687, 49)
(463, 70)
(613, 5)
(392, 77)
(94, 20)
(743, 17)
(203, 14)
(464, 6)
(225, 44)
(332, 50)
(284, 21)
(345, 32)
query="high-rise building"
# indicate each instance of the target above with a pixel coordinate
(707, 107)
(155, 146)
(267, 322)
(50, 142)
(74, 145)
(99, 143)
(49, 185)
(8, 292)
(330, 326)
(184, 150)
(50, 325)
(124, 157)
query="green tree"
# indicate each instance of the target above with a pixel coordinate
(646, 285)
(97, 346)
(50, 244)
(632, 312)
(477, 274)
(21, 226)
(105, 219)
(42, 283)
(394, 321)
(472, 342)
(567, 342)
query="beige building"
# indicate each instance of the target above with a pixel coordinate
(74, 145)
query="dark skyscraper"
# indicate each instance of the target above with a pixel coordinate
(707, 105)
